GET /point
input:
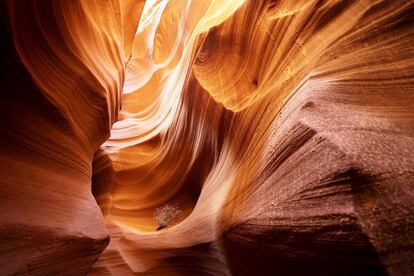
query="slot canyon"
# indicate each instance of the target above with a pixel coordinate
(281, 130)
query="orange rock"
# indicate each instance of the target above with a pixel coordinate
(283, 129)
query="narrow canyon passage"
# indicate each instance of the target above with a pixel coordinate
(282, 130)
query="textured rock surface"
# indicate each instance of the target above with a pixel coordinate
(283, 129)
(55, 113)
(322, 185)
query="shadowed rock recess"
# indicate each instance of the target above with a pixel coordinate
(283, 130)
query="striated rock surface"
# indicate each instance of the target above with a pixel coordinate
(289, 147)
(61, 84)
(283, 129)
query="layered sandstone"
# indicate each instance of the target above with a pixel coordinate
(283, 129)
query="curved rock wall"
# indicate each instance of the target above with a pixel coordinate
(291, 163)
(283, 129)
(63, 74)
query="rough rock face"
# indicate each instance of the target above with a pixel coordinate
(283, 129)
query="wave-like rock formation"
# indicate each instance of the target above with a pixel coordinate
(284, 130)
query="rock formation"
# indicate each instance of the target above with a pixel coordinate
(283, 129)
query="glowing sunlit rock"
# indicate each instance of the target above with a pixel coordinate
(284, 130)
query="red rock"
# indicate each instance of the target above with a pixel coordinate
(284, 130)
